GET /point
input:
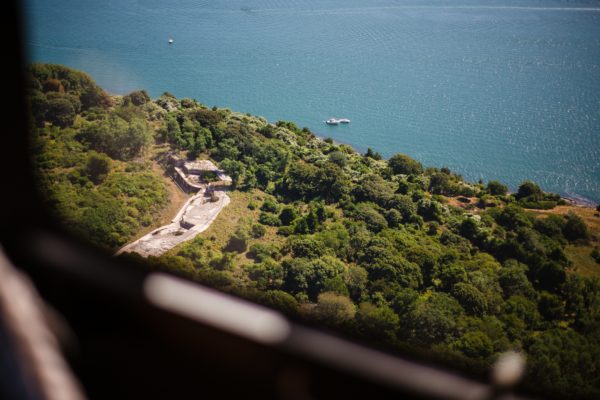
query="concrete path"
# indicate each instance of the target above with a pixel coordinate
(194, 217)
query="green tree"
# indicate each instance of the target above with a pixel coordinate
(403, 164)
(496, 188)
(279, 300)
(306, 246)
(393, 217)
(377, 321)
(333, 309)
(513, 280)
(268, 274)
(575, 228)
(97, 166)
(137, 98)
(442, 183)
(338, 158)
(430, 210)
(269, 205)
(448, 275)
(523, 308)
(262, 251)
(551, 306)
(60, 112)
(116, 137)
(309, 276)
(336, 285)
(235, 169)
(434, 318)
(474, 344)
(74, 100)
(368, 213)
(173, 131)
(258, 231)
(512, 217)
(356, 279)
(404, 205)
(373, 154)
(472, 300)
(38, 106)
(373, 188)
(529, 190)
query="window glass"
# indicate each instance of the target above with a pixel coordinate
(421, 176)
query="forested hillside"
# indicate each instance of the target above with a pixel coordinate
(387, 251)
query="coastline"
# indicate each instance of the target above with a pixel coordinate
(572, 198)
(578, 201)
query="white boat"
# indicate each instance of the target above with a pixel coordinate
(344, 121)
(170, 41)
(332, 121)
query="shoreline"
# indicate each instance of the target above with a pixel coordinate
(579, 201)
(572, 198)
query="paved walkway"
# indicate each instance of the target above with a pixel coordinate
(194, 217)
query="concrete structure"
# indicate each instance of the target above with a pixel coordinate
(195, 216)
(193, 176)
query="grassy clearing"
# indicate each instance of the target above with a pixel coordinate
(583, 263)
(217, 236)
(589, 215)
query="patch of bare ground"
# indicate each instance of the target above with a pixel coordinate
(467, 203)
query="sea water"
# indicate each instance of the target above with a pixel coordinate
(506, 90)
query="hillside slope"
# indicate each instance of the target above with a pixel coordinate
(386, 251)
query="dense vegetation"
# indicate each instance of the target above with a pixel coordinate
(85, 149)
(387, 251)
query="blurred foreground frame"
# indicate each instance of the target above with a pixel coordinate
(141, 334)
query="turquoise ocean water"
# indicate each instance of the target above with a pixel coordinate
(506, 90)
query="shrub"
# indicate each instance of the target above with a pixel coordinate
(339, 158)
(595, 254)
(239, 240)
(258, 231)
(137, 98)
(97, 166)
(368, 213)
(575, 228)
(266, 218)
(269, 206)
(538, 204)
(53, 85)
(373, 154)
(287, 215)
(285, 231)
(307, 247)
(263, 251)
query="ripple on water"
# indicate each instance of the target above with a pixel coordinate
(494, 92)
